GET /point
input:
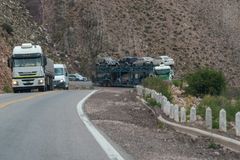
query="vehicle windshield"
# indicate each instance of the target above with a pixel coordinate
(147, 58)
(167, 58)
(27, 62)
(58, 71)
(79, 76)
(162, 72)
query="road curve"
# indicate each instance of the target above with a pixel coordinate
(46, 127)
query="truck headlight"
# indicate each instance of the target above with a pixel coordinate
(41, 81)
(14, 82)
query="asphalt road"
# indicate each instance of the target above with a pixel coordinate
(45, 126)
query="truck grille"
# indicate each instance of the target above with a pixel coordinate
(28, 82)
(56, 82)
(27, 73)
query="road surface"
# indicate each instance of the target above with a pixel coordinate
(45, 126)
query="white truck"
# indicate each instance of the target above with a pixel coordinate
(31, 69)
(164, 72)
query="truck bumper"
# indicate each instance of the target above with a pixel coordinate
(58, 84)
(28, 83)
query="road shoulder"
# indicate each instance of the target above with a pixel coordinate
(121, 116)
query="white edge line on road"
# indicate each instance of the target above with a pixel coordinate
(106, 146)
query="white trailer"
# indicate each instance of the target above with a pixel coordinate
(31, 69)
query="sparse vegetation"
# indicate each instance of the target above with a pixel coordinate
(205, 81)
(160, 125)
(7, 89)
(178, 83)
(152, 102)
(8, 28)
(213, 145)
(159, 86)
(216, 103)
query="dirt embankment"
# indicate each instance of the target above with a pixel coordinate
(130, 124)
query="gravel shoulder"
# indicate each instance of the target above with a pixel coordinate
(125, 120)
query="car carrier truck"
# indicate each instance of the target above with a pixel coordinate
(129, 75)
(31, 69)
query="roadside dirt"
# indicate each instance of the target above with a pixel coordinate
(119, 114)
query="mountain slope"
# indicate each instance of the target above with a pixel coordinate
(16, 26)
(196, 33)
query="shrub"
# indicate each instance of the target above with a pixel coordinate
(152, 102)
(216, 103)
(177, 83)
(8, 28)
(213, 145)
(159, 86)
(7, 89)
(205, 81)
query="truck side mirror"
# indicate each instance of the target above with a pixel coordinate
(10, 62)
(44, 60)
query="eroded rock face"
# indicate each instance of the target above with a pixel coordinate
(195, 33)
(4, 70)
(35, 8)
(16, 27)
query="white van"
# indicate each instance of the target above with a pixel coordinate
(61, 79)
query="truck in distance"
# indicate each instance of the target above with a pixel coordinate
(164, 72)
(31, 69)
(131, 75)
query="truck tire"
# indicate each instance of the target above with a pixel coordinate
(109, 84)
(51, 85)
(42, 89)
(15, 90)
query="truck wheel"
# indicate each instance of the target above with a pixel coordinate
(15, 91)
(42, 89)
(48, 87)
(66, 88)
(109, 84)
(51, 85)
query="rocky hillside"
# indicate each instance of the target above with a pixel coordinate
(195, 33)
(16, 26)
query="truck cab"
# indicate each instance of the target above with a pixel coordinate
(30, 68)
(164, 72)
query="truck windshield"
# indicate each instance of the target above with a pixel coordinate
(27, 62)
(162, 72)
(58, 71)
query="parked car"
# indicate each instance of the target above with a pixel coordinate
(144, 61)
(107, 61)
(77, 77)
(128, 60)
(157, 61)
(168, 61)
